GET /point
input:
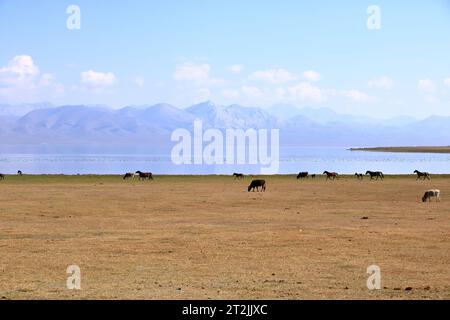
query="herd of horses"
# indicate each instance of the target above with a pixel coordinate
(374, 175)
(139, 175)
(257, 184)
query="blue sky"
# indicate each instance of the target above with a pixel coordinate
(259, 53)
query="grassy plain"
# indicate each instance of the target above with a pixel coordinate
(200, 237)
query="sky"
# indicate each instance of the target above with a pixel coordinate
(377, 58)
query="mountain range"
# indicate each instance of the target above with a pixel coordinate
(153, 124)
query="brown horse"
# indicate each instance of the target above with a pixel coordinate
(302, 175)
(257, 184)
(331, 175)
(145, 175)
(422, 175)
(2, 176)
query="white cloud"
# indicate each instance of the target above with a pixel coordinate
(304, 91)
(312, 75)
(97, 80)
(252, 91)
(447, 82)
(197, 73)
(431, 99)
(274, 76)
(21, 80)
(20, 71)
(356, 95)
(426, 86)
(236, 68)
(139, 81)
(192, 72)
(202, 94)
(382, 82)
(230, 93)
(280, 93)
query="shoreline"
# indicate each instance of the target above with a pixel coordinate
(114, 177)
(415, 149)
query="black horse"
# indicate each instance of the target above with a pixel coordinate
(302, 175)
(238, 175)
(256, 184)
(359, 176)
(375, 174)
(128, 175)
(2, 176)
(422, 175)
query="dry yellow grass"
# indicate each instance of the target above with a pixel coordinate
(207, 237)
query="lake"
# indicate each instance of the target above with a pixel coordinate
(42, 159)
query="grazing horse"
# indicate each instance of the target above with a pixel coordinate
(302, 175)
(145, 175)
(331, 175)
(432, 193)
(2, 176)
(359, 176)
(313, 176)
(377, 174)
(256, 184)
(128, 175)
(19, 173)
(238, 175)
(423, 175)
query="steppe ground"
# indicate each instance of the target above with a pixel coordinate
(200, 237)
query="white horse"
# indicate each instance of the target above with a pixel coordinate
(431, 193)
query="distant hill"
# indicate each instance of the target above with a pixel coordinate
(154, 124)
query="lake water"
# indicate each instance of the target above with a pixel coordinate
(117, 160)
